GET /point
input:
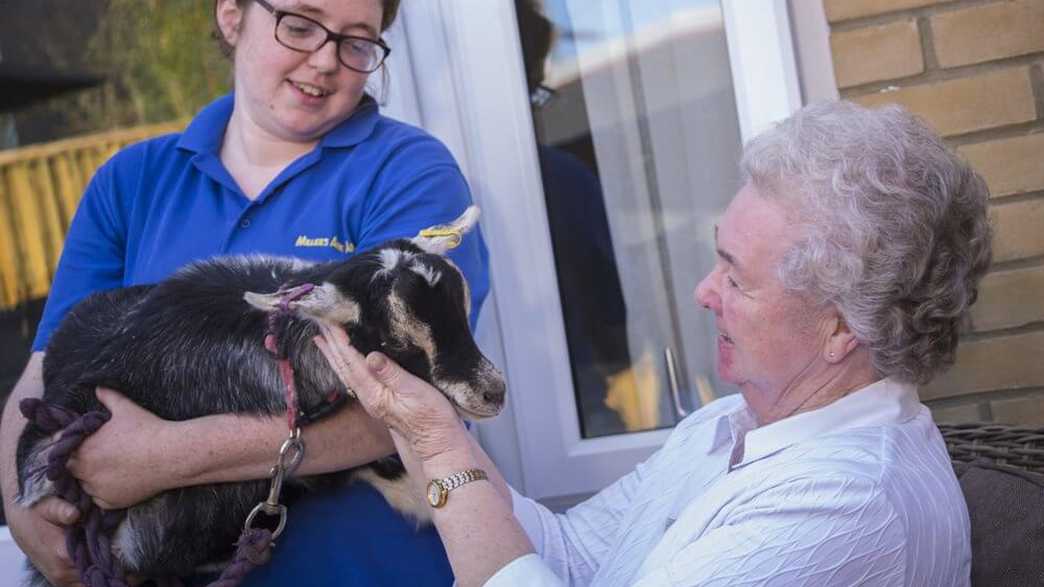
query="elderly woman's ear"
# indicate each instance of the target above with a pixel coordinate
(840, 341)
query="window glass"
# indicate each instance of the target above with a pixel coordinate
(637, 133)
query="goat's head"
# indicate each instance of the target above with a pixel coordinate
(407, 300)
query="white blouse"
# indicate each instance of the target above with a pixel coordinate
(859, 492)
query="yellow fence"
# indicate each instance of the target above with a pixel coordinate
(40, 186)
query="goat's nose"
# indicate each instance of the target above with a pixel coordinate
(495, 392)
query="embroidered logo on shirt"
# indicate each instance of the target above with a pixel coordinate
(332, 242)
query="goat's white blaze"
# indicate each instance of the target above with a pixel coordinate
(406, 326)
(429, 273)
(390, 259)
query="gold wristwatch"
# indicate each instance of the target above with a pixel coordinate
(438, 489)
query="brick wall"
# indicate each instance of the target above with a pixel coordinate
(974, 69)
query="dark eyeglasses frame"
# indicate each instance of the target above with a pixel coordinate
(330, 36)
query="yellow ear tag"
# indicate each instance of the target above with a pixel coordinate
(438, 231)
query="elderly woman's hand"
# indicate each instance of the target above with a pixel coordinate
(414, 410)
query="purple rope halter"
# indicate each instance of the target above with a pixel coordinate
(88, 540)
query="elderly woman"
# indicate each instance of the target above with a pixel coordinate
(846, 264)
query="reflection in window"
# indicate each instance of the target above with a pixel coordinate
(637, 138)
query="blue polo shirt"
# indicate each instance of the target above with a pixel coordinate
(162, 203)
(168, 201)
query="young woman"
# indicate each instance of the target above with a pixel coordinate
(297, 161)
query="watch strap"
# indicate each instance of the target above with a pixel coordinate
(438, 489)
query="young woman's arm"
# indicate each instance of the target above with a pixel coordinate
(37, 530)
(211, 449)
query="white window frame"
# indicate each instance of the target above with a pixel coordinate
(468, 88)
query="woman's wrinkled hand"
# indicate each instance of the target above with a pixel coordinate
(420, 414)
(126, 461)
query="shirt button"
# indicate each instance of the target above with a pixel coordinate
(244, 223)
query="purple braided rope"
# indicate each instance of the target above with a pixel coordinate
(253, 549)
(88, 539)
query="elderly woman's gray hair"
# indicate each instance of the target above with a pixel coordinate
(895, 228)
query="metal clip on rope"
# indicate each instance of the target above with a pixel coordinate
(290, 456)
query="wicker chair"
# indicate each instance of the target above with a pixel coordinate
(998, 444)
(1001, 471)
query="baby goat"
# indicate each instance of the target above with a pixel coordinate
(194, 344)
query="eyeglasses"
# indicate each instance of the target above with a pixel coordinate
(303, 34)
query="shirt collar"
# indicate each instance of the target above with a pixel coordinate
(206, 131)
(882, 403)
(356, 128)
(724, 432)
(730, 427)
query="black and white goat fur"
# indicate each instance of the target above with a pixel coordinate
(193, 345)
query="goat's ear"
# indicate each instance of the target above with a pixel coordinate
(440, 239)
(325, 302)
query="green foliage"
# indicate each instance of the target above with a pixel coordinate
(159, 61)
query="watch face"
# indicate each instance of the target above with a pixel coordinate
(436, 494)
